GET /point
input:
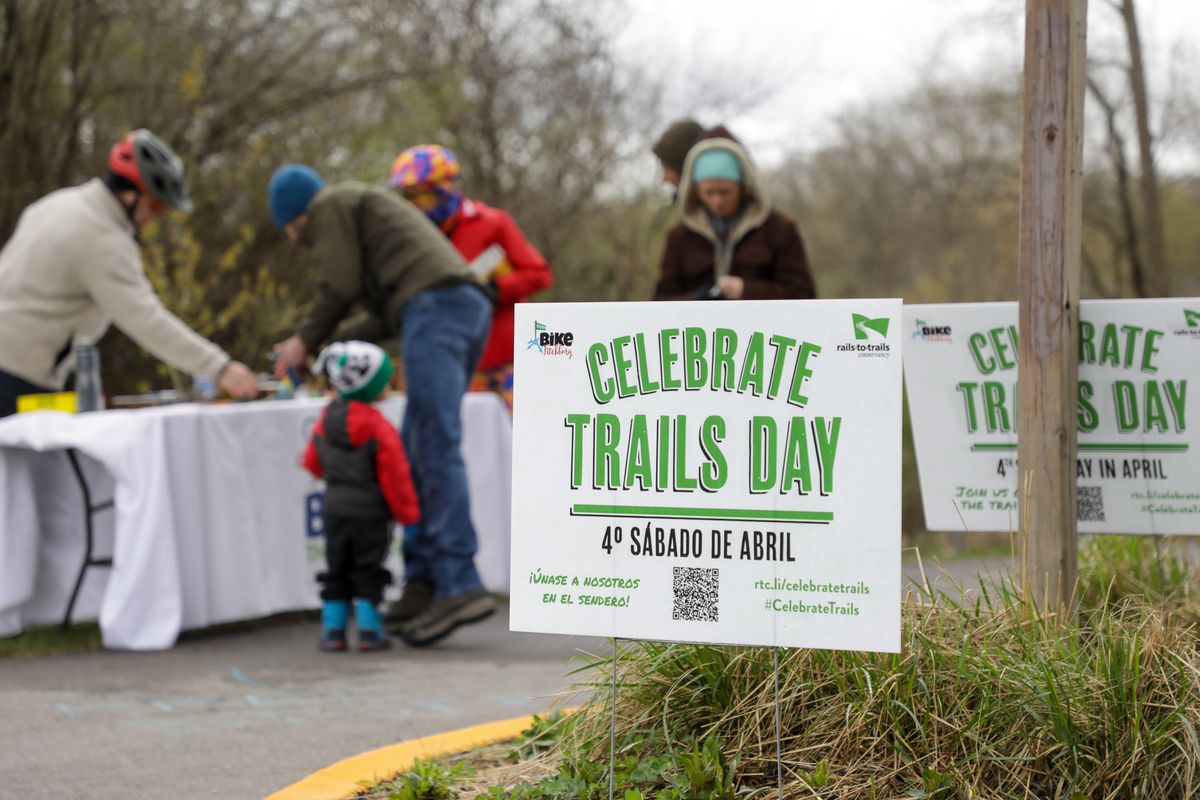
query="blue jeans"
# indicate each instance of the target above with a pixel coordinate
(442, 333)
(12, 387)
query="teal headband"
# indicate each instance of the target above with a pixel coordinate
(717, 163)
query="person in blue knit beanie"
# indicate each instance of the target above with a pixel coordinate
(373, 250)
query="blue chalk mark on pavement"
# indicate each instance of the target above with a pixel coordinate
(441, 708)
(240, 677)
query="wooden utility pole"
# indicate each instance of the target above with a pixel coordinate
(1048, 289)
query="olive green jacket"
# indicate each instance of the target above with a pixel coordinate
(372, 248)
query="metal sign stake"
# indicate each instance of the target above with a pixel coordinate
(612, 728)
(778, 729)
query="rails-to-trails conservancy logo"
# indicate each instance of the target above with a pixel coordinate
(866, 330)
(551, 343)
(1191, 319)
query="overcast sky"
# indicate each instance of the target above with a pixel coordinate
(817, 57)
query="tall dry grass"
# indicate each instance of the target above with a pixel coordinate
(989, 698)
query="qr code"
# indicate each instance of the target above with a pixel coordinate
(696, 590)
(1089, 503)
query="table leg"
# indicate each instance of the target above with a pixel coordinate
(88, 510)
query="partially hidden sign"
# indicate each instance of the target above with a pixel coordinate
(721, 473)
(1137, 415)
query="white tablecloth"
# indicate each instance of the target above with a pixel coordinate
(213, 519)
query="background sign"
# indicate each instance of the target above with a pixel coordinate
(709, 472)
(1139, 449)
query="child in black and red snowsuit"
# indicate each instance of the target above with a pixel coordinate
(368, 484)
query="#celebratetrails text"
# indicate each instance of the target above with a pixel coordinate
(684, 453)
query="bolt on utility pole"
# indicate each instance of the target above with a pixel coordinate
(1048, 290)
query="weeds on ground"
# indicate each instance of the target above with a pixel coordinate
(78, 638)
(698, 771)
(431, 779)
(542, 736)
(83, 637)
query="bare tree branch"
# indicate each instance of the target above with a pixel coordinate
(1158, 278)
(1116, 152)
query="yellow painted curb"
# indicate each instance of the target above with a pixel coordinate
(343, 779)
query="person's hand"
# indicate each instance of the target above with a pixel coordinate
(732, 287)
(289, 353)
(238, 380)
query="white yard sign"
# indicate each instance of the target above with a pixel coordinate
(709, 472)
(1138, 417)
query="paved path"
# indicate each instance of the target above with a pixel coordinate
(240, 714)
(963, 574)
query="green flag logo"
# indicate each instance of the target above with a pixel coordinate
(1192, 318)
(864, 323)
(538, 327)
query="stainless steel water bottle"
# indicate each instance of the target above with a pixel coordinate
(88, 393)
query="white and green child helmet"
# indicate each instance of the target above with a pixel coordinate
(356, 370)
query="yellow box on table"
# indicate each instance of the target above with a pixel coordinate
(53, 401)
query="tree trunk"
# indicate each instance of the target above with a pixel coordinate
(1116, 150)
(1158, 282)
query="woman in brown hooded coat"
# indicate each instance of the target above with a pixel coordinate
(730, 243)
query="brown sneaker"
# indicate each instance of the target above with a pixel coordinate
(443, 617)
(415, 598)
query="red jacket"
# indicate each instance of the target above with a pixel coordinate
(523, 272)
(364, 425)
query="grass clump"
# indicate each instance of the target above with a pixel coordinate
(1151, 569)
(989, 698)
(542, 736)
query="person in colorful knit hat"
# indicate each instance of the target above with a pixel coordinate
(368, 484)
(491, 242)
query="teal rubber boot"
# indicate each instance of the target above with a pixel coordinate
(334, 616)
(370, 626)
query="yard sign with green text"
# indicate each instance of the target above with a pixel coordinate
(1137, 415)
(709, 472)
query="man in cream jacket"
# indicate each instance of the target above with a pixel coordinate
(72, 268)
